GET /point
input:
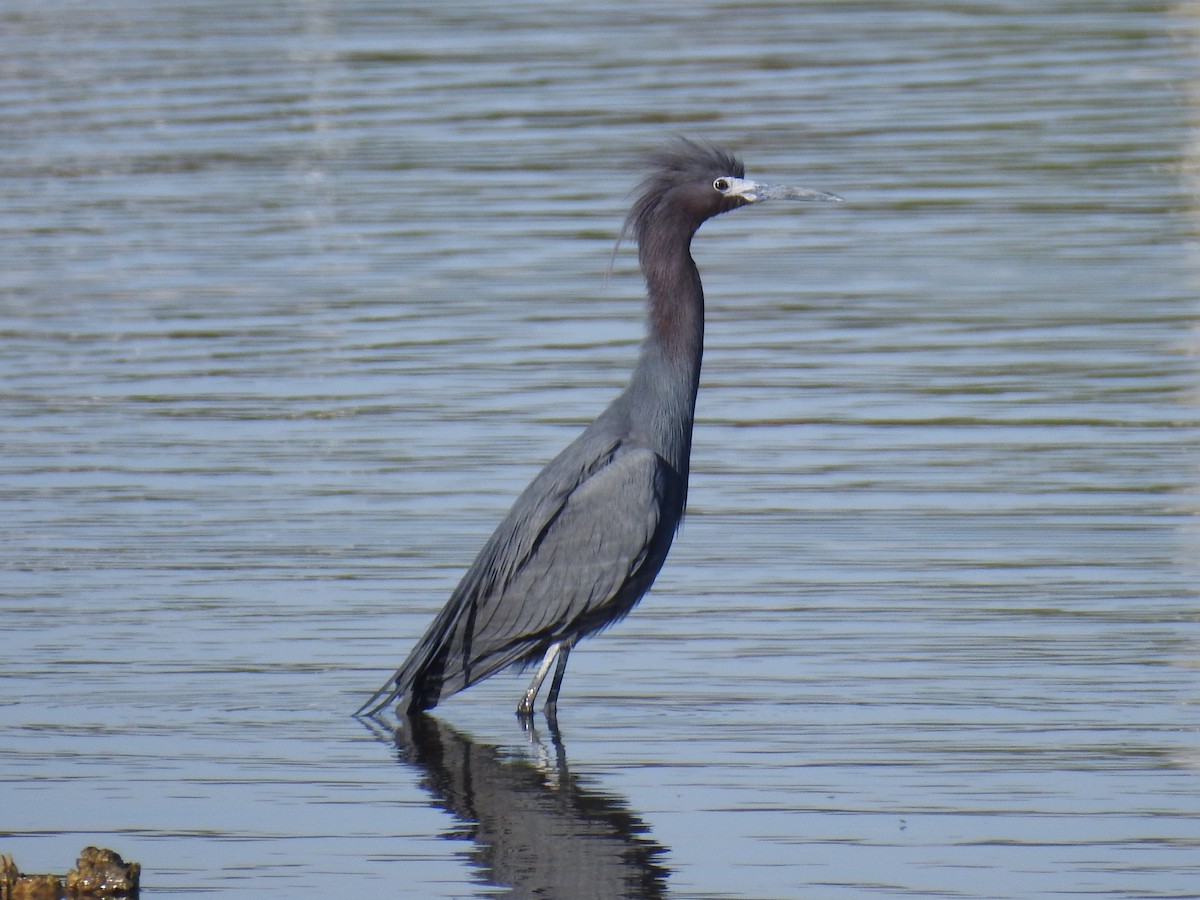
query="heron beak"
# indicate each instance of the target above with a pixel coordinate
(759, 192)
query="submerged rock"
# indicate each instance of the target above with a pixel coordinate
(98, 873)
(102, 873)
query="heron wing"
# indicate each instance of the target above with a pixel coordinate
(573, 547)
(565, 550)
(583, 558)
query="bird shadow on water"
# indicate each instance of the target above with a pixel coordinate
(536, 828)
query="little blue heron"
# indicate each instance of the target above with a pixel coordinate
(587, 537)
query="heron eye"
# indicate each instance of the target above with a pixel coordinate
(721, 185)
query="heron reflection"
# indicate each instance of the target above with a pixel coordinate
(536, 828)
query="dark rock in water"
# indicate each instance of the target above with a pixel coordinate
(102, 873)
(98, 873)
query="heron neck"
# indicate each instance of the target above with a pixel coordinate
(675, 300)
(669, 366)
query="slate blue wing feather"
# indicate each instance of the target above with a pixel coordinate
(579, 547)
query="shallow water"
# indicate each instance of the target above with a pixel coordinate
(296, 300)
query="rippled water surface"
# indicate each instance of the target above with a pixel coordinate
(297, 296)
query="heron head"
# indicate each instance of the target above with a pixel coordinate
(690, 182)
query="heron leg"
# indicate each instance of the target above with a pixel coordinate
(525, 707)
(559, 671)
